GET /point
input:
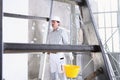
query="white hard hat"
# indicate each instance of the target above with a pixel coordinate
(56, 18)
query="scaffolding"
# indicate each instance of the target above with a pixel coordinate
(90, 47)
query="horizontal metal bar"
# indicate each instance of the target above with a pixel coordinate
(106, 12)
(25, 47)
(114, 53)
(25, 16)
(69, 0)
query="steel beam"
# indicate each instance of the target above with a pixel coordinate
(80, 2)
(24, 47)
(25, 16)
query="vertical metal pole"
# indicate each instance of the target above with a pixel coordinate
(45, 58)
(51, 8)
(1, 49)
(118, 20)
(118, 24)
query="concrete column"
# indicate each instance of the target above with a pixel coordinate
(73, 30)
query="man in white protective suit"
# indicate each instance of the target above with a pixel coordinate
(57, 60)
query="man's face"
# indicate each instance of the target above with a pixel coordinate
(55, 24)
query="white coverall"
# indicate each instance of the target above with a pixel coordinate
(57, 60)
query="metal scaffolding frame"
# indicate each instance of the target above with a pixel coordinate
(107, 70)
(25, 47)
(116, 27)
(111, 52)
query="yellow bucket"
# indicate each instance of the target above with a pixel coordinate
(71, 71)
